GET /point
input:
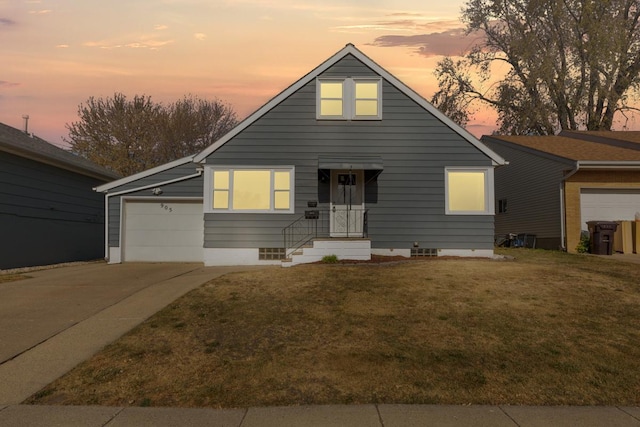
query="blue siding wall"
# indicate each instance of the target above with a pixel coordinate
(47, 215)
(415, 148)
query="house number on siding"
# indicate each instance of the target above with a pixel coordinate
(166, 207)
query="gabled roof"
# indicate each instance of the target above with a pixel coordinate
(572, 149)
(144, 174)
(21, 144)
(350, 49)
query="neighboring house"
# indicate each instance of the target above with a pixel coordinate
(553, 185)
(382, 170)
(49, 212)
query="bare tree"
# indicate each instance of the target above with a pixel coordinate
(570, 64)
(132, 135)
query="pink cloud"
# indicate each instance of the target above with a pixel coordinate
(6, 22)
(146, 43)
(4, 84)
(453, 42)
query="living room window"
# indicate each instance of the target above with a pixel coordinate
(245, 189)
(357, 98)
(469, 191)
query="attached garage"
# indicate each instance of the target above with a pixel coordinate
(608, 204)
(163, 230)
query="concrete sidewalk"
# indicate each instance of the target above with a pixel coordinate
(321, 416)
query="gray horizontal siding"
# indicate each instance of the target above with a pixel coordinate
(415, 148)
(47, 215)
(531, 186)
(348, 66)
(188, 188)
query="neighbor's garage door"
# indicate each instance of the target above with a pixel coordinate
(164, 231)
(608, 205)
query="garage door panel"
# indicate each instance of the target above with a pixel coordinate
(172, 224)
(608, 205)
(167, 238)
(163, 231)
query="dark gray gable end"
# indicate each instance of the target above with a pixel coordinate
(350, 49)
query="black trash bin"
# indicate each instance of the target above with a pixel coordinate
(601, 233)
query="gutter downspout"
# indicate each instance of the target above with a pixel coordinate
(199, 171)
(563, 216)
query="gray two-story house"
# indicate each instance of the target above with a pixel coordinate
(347, 161)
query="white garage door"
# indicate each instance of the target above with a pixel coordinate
(608, 205)
(163, 231)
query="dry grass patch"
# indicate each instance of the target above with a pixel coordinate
(547, 328)
(6, 278)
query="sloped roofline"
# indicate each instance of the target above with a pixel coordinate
(113, 184)
(541, 152)
(19, 143)
(350, 49)
(535, 151)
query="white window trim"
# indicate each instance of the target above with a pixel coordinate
(489, 195)
(345, 97)
(208, 189)
(348, 97)
(355, 80)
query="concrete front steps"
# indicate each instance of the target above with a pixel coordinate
(343, 248)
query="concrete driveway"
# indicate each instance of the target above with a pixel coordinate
(33, 310)
(59, 317)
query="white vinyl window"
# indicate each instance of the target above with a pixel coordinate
(331, 95)
(357, 98)
(469, 191)
(247, 189)
(367, 96)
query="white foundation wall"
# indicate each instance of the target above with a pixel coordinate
(466, 253)
(392, 252)
(115, 255)
(235, 256)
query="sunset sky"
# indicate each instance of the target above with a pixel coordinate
(55, 54)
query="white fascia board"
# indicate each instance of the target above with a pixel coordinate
(106, 187)
(351, 49)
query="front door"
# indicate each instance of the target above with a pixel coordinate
(347, 203)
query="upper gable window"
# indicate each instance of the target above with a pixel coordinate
(367, 98)
(331, 99)
(349, 98)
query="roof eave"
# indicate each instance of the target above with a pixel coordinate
(530, 150)
(28, 154)
(117, 183)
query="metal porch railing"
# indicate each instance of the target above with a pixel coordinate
(317, 223)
